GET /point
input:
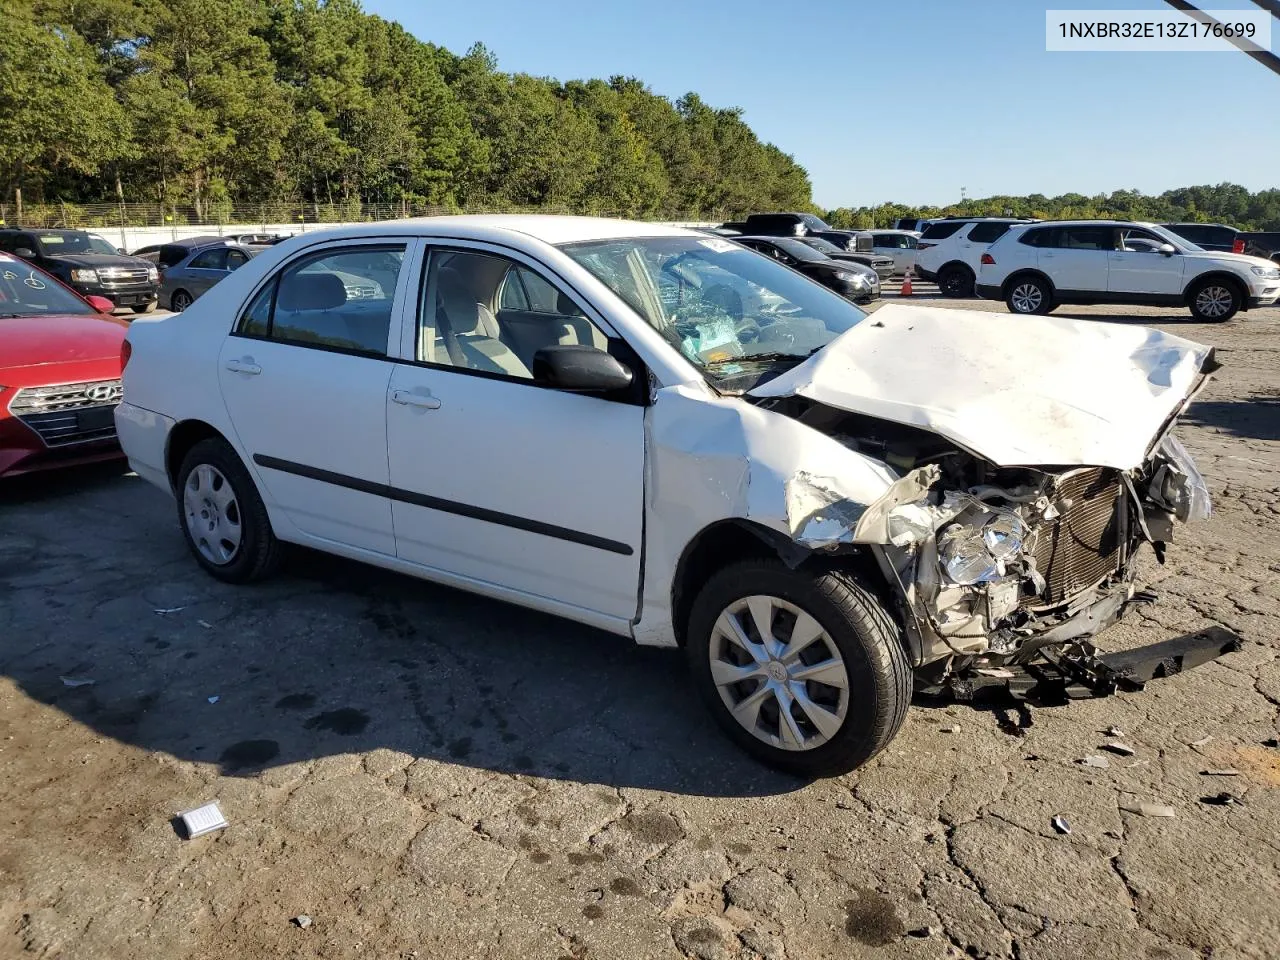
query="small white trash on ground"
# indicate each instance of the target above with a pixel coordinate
(203, 820)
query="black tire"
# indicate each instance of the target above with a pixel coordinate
(259, 552)
(867, 637)
(1215, 300)
(180, 301)
(1028, 295)
(956, 282)
(146, 308)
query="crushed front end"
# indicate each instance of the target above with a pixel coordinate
(1000, 568)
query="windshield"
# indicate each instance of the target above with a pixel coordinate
(25, 292)
(812, 222)
(1182, 243)
(799, 249)
(737, 316)
(53, 244)
(98, 245)
(822, 246)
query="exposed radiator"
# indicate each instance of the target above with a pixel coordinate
(1084, 544)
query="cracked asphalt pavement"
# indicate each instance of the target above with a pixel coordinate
(429, 774)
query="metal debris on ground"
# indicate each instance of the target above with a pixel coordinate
(1095, 760)
(1202, 741)
(1123, 749)
(77, 681)
(1060, 824)
(163, 610)
(1223, 799)
(213, 699)
(301, 920)
(1114, 731)
(206, 624)
(1222, 772)
(203, 820)
(953, 728)
(1145, 808)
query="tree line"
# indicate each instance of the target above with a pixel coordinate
(208, 102)
(1227, 203)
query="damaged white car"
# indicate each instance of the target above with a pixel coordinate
(673, 438)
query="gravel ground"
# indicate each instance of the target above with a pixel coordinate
(428, 774)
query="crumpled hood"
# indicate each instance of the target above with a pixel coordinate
(1018, 391)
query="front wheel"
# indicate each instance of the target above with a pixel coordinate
(223, 517)
(1215, 301)
(804, 669)
(956, 282)
(145, 308)
(1029, 295)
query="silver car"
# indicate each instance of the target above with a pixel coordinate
(182, 283)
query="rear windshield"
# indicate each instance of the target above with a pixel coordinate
(940, 231)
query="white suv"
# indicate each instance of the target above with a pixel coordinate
(949, 250)
(1036, 267)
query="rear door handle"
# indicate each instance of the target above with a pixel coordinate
(245, 366)
(405, 398)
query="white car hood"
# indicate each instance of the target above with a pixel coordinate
(1018, 391)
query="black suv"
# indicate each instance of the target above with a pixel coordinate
(1206, 236)
(87, 264)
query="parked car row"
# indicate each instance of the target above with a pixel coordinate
(88, 264)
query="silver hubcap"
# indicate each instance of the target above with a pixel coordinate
(1026, 298)
(779, 673)
(213, 514)
(1213, 301)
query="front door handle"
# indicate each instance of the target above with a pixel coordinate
(245, 366)
(408, 399)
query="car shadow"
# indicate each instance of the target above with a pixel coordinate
(1257, 418)
(123, 633)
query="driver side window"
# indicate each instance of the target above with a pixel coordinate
(490, 314)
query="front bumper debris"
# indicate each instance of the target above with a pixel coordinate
(1079, 672)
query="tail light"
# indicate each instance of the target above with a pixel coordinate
(988, 260)
(1238, 245)
(126, 351)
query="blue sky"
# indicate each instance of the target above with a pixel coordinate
(907, 101)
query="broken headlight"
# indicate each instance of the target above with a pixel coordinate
(1177, 484)
(976, 549)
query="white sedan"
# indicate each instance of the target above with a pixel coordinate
(678, 440)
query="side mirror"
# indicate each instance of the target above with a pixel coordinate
(101, 304)
(120, 250)
(1168, 249)
(580, 368)
(26, 253)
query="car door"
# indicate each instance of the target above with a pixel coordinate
(1077, 257)
(495, 478)
(204, 270)
(304, 376)
(1140, 268)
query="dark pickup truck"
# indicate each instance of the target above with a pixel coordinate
(1264, 244)
(87, 264)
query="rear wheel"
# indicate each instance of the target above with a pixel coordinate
(180, 300)
(1215, 301)
(956, 282)
(1028, 295)
(804, 669)
(223, 517)
(145, 308)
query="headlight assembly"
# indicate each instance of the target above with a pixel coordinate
(1270, 273)
(84, 276)
(976, 552)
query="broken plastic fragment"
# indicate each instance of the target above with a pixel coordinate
(77, 681)
(302, 920)
(214, 699)
(203, 820)
(1114, 731)
(1224, 772)
(1096, 760)
(1060, 824)
(1202, 741)
(953, 728)
(1123, 749)
(163, 610)
(818, 515)
(1223, 799)
(206, 624)
(1145, 808)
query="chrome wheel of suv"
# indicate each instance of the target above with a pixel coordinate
(1215, 301)
(779, 673)
(1026, 298)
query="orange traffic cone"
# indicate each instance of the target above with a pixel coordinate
(906, 285)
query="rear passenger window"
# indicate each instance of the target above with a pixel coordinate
(338, 299)
(988, 232)
(1088, 238)
(1038, 238)
(940, 231)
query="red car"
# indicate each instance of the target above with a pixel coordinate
(59, 372)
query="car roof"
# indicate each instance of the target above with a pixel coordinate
(1088, 223)
(548, 228)
(1190, 223)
